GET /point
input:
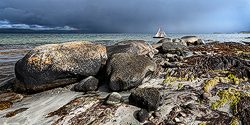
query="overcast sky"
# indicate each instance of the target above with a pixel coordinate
(127, 16)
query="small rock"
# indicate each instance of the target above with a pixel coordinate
(191, 106)
(151, 118)
(142, 115)
(200, 42)
(183, 114)
(133, 124)
(157, 114)
(206, 94)
(195, 53)
(88, 84)
(113, 98)
(180, 124)
(149, 123)
(177, 119)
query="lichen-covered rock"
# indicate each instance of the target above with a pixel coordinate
(148, 98)
(113, 98)
(45, 64)
(139, 47)
(125, 71)
(173, 47)
(88, 84)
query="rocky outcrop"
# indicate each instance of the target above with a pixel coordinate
(47, 64)
(148, 98)
(125, 71)
(173, 47)
(88, 84)
(139, 47)
(190, 39)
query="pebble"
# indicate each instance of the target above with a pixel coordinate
(177, 119)
(157, 114)
(206, 94)
(151, 118)
(183, 114)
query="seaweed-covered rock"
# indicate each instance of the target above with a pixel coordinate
(88, 84)
(243, 110)
(173, 47)
(45, 65)
(142, 115)
(125, 71)
(113, 98)
(148, 98)
(139, 47)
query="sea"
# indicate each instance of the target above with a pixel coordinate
(13, 47)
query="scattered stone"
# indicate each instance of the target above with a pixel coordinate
(204, 52)
(177, 119)
(88, 84)
(148, 98)
(151, 118)
(50, 65)
(206, 95)
(113, 98)
(157, 114)
(142, 115)
(125, 71)
(191, 106)
(183, 114)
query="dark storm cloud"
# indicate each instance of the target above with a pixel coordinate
(141, 16)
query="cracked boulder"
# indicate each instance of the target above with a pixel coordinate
(125, 71)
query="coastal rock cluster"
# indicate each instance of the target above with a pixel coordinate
(175, 81)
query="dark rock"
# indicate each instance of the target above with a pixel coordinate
(139, 47)
(148, 98)
(173, 47)
(125, 71)
(113, 98)
(88, 84)
(142, 115)
(46, 65)
(165, 40)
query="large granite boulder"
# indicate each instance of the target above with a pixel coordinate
(173, 47)
(45, 65)
(190, 39)
(139, 47)
(125, 71)
(147, 98)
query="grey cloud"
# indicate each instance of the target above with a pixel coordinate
(141, 16)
